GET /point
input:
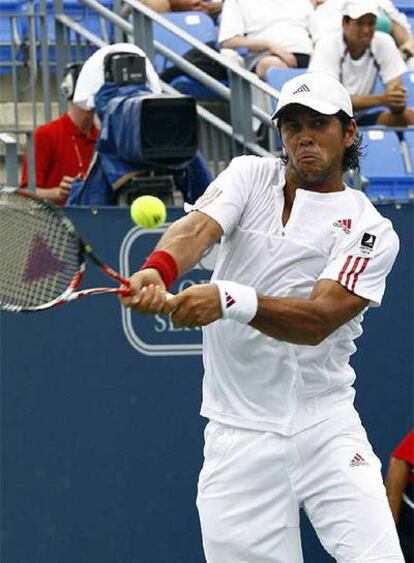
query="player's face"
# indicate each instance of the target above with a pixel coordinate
(359, 33)
(315, 145)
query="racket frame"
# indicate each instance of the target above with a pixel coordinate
(70, 294)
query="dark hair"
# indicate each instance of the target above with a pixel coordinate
(351, 154)
(355, 151)
(70, 78)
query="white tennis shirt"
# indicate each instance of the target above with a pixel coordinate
(252, 380)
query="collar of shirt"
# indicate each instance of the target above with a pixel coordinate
(73, 129)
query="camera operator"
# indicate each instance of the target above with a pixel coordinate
(143, 132)
(63, 147)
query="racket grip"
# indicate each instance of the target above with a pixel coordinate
(125, 291)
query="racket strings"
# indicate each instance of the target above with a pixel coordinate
(40, 253)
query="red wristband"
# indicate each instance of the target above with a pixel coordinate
(165, 264)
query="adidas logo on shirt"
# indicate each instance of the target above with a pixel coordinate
(302, 88)
(344, 224)
(357, 460)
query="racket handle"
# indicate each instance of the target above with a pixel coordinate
(125, 291)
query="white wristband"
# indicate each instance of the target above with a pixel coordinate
(238, 302)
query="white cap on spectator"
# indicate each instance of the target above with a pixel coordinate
(357, 8)
(316, 90)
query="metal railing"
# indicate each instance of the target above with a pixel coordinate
(36, 53)
(219, 140)
(43, 62)
(9, 146)
(240, 80)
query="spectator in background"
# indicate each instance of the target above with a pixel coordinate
(156, 5)
(63, 147)
(327, 18)
(355, 56)
(210, 7)
(400, 492)
(400, 30)
(275, 32)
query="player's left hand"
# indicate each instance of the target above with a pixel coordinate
(198, 305)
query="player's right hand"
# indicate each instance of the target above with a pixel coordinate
(147, 292)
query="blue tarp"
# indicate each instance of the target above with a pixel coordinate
(118, 108)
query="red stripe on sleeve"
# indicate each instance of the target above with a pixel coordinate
(344, 267)
(351, 272)
(357, 274)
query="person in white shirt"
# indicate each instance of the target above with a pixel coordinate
(327, 18)
(302, 257)
(356, 56)
(275, 32)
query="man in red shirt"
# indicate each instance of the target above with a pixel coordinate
(63, 148)
(400, 491)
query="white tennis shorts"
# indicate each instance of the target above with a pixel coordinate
(252, 485)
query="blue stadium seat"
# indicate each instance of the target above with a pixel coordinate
(197, 24)
(200, 26)
(12, 31)
(384, 166)
(83, 15)
(276, 77)
(191, 87)
(408, 81)
(406, 6)
(409, 139)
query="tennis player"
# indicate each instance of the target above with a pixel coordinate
(302, 257)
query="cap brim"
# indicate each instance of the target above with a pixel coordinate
(304, 100)
(357, 13)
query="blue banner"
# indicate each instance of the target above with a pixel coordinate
(101, 440)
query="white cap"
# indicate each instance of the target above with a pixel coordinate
(316, 90)
(357, 8)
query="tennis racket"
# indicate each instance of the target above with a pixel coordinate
(42, 256)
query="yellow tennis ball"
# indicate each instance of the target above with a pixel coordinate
(148, 211)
